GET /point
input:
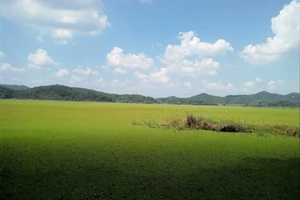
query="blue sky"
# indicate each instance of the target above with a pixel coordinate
(155, 48)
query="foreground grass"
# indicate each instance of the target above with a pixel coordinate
(69, 150)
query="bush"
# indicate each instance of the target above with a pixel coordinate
(207, 125)
(176, 123)
(232, 127)
(291, 132)
(191, 121)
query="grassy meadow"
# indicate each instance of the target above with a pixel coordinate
(80, 150)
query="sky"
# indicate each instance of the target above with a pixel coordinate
(155, 48)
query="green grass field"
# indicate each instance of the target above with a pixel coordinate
(76, 150)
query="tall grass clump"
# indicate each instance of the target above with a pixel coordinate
(173, 123)
(201, 122)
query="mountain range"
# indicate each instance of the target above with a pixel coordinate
(65, 93)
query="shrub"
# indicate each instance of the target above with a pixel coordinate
(232, 127)
(176, 123)
(191, 121)
(290, 131)
(207, 125)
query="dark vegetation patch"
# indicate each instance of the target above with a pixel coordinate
(252, 178)
(201, 122)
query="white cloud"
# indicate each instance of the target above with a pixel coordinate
(115, 81)
(286, 28)
(40, 38)
(117, 84)
(62, 73)
(160, 76)
(63, 36)
(193, 57)
(274, 84)
(85, 72)
(2, 55)
(40, 59)
(141, 76)
(6, 67)
(61, 19)
(120, 70)
(63, 33)
(249, 84)
(218, 86)
(75, 79)
(117, 58)
(206, 66)
(154, 77)
(99, 80)
(188, 85)
(258, 80)
(252, 84)
(190, 45)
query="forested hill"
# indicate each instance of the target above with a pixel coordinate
(15, 87)
(64, 93)
(259, 99)
(264, 97)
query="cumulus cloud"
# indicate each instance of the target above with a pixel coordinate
(63, 36)
(40, 59)
(120, 70)
(117, 84)
(60, 19)
(62, 73)
(6, 67)
(188, 85)
(206, 66)
(63, 33)
(218, 86)
(274, 84)
(2, 55)
(249, 84)
(99, 80)
(286, 28)
(192, 56)
(190, 45)
(117, 58)
(85, 72)
(75, 79)
(154, 77)
(252, 84)
(160, 76)
(115, 81)
(258, 80)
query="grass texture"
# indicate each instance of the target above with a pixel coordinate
(77, 150)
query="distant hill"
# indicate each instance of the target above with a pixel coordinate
(64, 93)
(201, 99)
(7, 93)
(263, 98)
(206, 99)
(15, 87)
(259, 99)
(60, 92)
